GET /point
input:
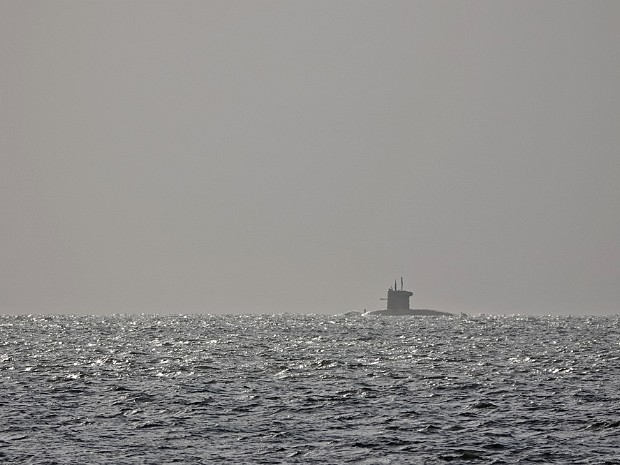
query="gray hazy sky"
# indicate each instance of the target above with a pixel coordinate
(269, 156)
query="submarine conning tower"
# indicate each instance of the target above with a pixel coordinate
(398, 300)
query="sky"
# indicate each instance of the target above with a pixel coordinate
(298, 156)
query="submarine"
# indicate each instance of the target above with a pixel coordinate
(398, 305)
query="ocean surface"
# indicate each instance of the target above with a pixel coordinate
(309, 389)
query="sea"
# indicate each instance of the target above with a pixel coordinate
(291, 388)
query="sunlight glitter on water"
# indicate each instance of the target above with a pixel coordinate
(303, 389)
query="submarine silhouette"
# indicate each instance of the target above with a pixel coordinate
(398, 305)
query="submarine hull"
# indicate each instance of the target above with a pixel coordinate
(410, 312)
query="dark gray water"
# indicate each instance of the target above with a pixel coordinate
(309, 389)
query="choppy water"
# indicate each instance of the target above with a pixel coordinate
(309, 389)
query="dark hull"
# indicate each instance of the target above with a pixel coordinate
(410, 312)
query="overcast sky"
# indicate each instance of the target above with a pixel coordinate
(273, 156)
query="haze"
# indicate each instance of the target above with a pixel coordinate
(298, 156)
